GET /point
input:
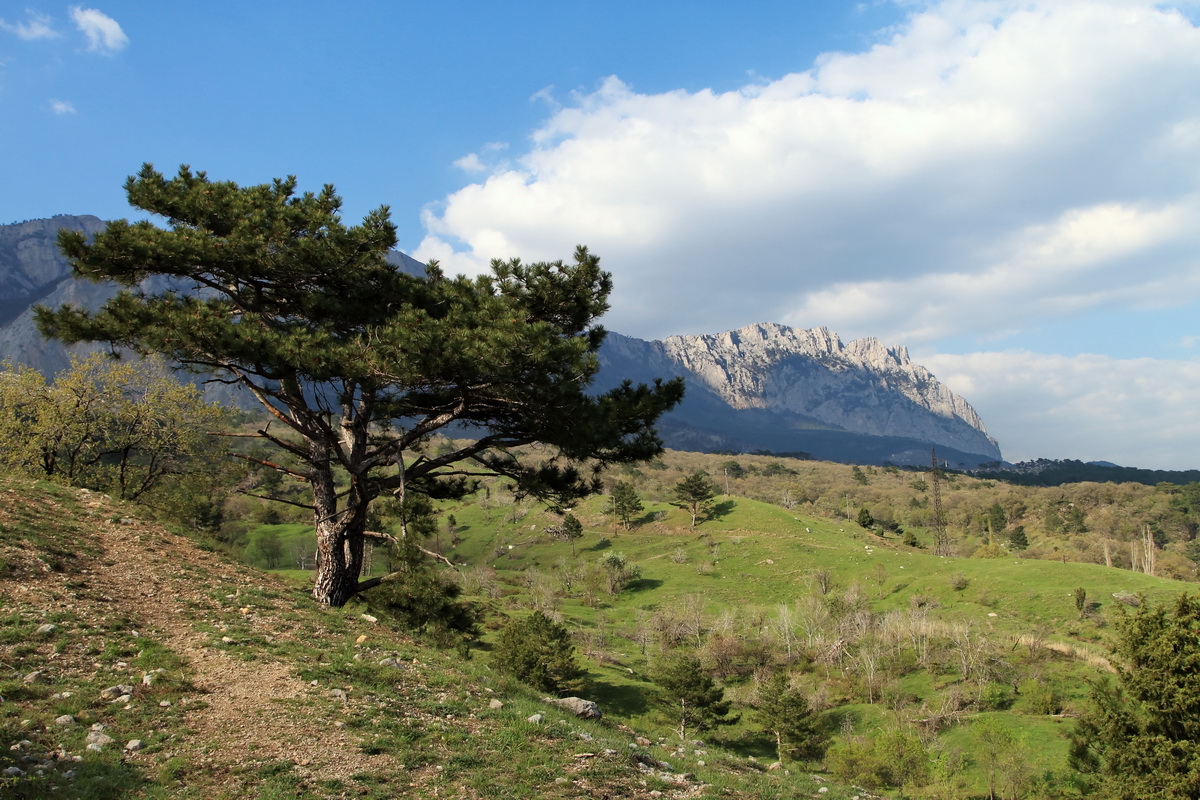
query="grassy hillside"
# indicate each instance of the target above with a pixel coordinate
(882, 636)
(262, 694)
(240, 687)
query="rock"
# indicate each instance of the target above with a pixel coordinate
(775, 766)
(101, 739)
(37, 676)
(14, 772)
(389, 662)
(134, 745)
(116, 692)
(584, 709)
(644, 761)
(823, 790)
(95, 747)
(65, 721)
(361, 639)
(587, 737)
(495, 704)
(369, 618)
(536, 719)
(47, 629)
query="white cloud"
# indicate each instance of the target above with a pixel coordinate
(38, 26)
(470, 163)
(1136, 412)
(103, 32)
(61, 107)
(985, 165)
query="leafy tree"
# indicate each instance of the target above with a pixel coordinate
(265, 549)
(625, 502)
(1080, 600)
(996, 745)
(694, 494)
(619, 571)
(102, 424)
(690, 696)
(895, 757)
(904, 757)
(538, 651)
(783, 711)
(1142, 737)
(859, 476)
(359, 364)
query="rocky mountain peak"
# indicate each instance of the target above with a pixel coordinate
(862, 386)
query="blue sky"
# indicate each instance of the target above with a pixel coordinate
(1009, 189)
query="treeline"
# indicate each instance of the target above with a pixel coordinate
(1049, 472)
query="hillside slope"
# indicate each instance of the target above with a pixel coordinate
(234, 685)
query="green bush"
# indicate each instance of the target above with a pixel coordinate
(538, 651)
(995, 697)
(1039, 697)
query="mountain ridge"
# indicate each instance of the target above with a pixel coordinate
(763, 387)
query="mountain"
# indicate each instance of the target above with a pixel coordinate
(763, 387)
(34, 272)
(774, 388)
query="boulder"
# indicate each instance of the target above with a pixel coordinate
(584, 709)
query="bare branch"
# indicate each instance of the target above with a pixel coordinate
(272, 465)
(280, 500)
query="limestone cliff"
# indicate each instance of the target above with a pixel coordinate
(771, 387)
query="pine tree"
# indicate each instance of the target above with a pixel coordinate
(1142, 738)
(538, 651)
(625, 503)
(572, 530)
(358, 363)
(689, 695)
(783, 711)
(694, 494)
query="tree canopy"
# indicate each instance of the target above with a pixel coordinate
(694, 494)
(1142, 738)
(359, 364)
(106, 425)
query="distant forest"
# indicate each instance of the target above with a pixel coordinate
(1050, 472)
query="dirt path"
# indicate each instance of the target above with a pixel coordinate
(165, 586)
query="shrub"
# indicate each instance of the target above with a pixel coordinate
(1039, 697)
(424, 600)
(538, 651)
(995, 697)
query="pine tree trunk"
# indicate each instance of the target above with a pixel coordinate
(339, 538)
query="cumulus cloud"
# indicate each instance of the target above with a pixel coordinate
(103, 32)
(37, 26)
(61, 107)
(981, 166)
(1136, 412)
